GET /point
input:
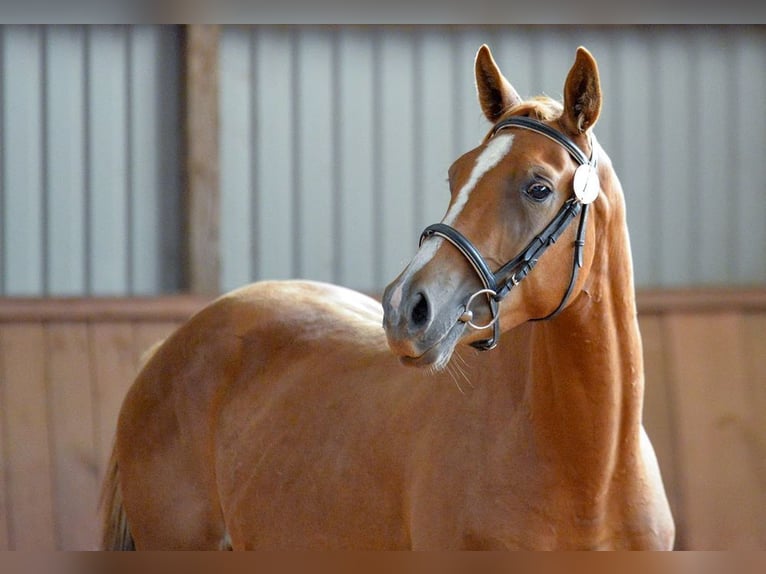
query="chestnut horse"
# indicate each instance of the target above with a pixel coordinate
(283, 415)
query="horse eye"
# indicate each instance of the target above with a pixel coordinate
(538, 191)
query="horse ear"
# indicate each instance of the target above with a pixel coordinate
(496, 95)
(582, 94)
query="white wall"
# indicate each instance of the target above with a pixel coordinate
(336, 142)
(90, 179)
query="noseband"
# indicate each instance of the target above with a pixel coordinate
(498, 285)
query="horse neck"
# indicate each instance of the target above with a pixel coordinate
(583, 386)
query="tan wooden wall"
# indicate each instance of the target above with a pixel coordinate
(64, 369)
(65, 366)
(705, 411)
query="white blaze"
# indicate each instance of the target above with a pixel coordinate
(495, 151)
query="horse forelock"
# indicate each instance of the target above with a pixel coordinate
(543, 108)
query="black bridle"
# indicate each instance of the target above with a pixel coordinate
(498, 285)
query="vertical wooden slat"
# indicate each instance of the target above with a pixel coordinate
(22, 168)
(314, 225)
(636, 143)
(716, 155)
(755, 344)
(147, 156)
(72, 435)
(512, 51)
(601, 42)
(65, 174)
(170, 165)
(553, 60)
(435, 125)
(356, 185)
(275, 177)
(3, 192)
(469, 123)
(28, 462)
(749, 133)
(396, 221)
(108, 137)
(237, 157)
(5, 467)
(659, 411)
(677, 160)
(715, 458)
(114, 367)
(203, 187)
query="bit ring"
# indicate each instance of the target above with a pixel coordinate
(467, 316)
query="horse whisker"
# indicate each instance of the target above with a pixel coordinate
(450, 369)
(462, 367)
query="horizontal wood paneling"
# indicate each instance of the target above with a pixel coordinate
(30, 518)
(719, 434)
(99, 310)
(65, 366)
(64, 371)
(705, 380)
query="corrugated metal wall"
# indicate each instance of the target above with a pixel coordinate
(336, 142)
(89, 160)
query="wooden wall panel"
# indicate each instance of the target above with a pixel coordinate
(714, 423)
(5, 539)
(71, 421)
(64, 372)
(28, 469)
(755, 373)
(113, 365)
(659, 408)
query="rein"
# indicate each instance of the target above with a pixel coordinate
(497, 285)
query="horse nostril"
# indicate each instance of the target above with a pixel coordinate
(419, 314)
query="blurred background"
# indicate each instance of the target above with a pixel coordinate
(146, 169)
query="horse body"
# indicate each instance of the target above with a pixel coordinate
(255, 440)
(279, 417)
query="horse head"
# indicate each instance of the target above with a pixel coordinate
(512, 201)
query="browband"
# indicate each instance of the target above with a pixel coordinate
(545, 130)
